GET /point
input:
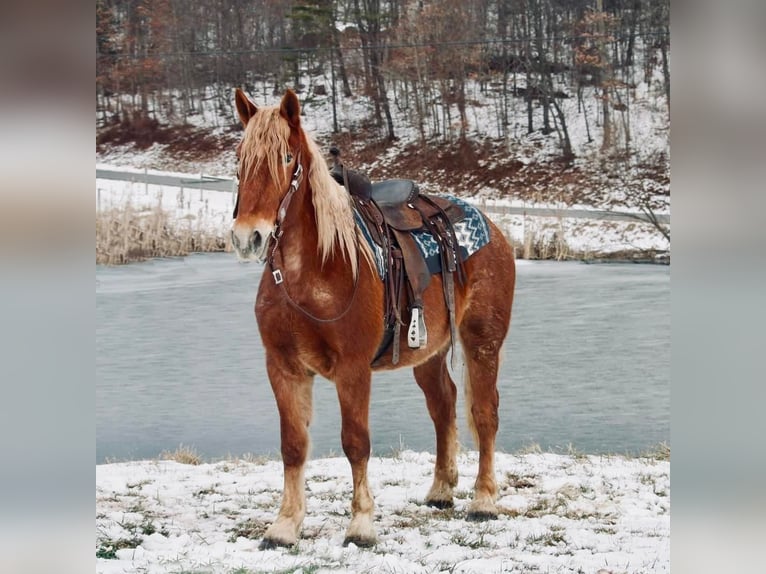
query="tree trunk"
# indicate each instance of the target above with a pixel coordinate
(665, 68)
(342, 72)
(566, 143)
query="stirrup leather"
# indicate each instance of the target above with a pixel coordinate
(417, 336)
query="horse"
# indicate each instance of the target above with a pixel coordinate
(319, 311)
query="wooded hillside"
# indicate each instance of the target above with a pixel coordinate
(488, 84)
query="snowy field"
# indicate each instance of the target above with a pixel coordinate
(560, 513)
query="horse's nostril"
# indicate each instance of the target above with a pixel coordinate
(234, 239)
(256, 241)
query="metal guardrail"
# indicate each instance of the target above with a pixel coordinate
(187, 181)
(571, 213)
(230, 185)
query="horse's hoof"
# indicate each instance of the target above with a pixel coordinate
(272, 543)
(480, 516)
(359, 541)
(440, 504)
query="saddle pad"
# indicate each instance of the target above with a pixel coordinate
(472, 234)
(377, 250)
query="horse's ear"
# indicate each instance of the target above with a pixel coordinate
(245, 108)
(291, 108)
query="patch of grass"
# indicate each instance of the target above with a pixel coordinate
(548, 242)
(137, 507)
(532, 448)
(183, 454)
(138, 485)
(125, 234)
(660, 451)
(463, 494)
(443, 513)
(411, 520)
(518, 481)
(231, 512)
(147, 527)
(106, 552)
(540, 507)
(318, 478)
(575, 453)
(250, 528)
(554, 537)
(396, 451)
(260, 459)
(391, 482)
(470, 541)
(108, 548)
(646, 479)
(206, 491)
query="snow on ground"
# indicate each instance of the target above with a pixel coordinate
(211, 211)
(200, 208)
(561, 513)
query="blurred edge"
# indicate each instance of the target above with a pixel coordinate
(47, 67)
(718, 149)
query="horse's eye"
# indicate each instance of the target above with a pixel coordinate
(288, 158)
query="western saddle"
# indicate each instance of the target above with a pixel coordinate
(392, 210)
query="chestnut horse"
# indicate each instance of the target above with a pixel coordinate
(320, 310)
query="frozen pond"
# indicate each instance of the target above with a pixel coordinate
(179, 360)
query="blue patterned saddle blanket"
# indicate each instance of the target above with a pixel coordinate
(472, 233)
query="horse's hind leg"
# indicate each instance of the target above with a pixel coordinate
(433, 378)
(353, 387)
(482, 341)
(292, 388)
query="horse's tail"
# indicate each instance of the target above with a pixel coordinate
(469, 406)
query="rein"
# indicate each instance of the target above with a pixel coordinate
(276, 235)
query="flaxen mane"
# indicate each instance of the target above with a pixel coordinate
(266, 139)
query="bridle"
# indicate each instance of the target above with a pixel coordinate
(276, 235)
(277, 232)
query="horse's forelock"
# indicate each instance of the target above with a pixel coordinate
(266, 139)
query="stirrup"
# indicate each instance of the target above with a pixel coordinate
(417, 336)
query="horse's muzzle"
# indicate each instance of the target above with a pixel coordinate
(250, 245)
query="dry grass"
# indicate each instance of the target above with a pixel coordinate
(660, 451)
(126, 234)
(183, 454)
(546, 244)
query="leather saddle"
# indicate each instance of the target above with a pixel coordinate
(392, 210)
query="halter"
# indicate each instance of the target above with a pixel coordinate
(276, 235)
(277, 232)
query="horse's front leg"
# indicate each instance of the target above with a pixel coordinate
(354, 396)
(292, 387)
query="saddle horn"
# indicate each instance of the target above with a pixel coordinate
(355, 183)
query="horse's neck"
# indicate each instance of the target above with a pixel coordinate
(300, 240)
(299, 236)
